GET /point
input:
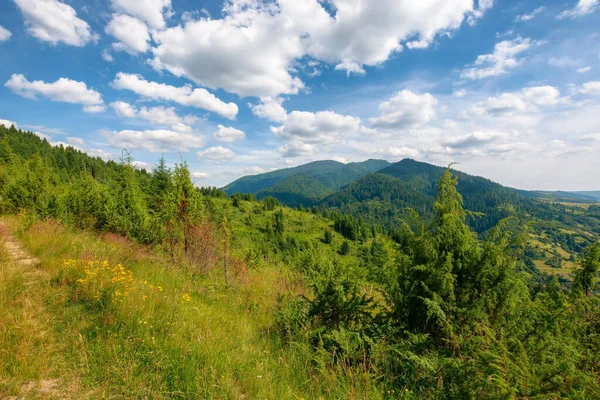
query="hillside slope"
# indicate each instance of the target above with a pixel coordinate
(332, 174)
(296, 190)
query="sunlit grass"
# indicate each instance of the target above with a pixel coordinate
(116, 319)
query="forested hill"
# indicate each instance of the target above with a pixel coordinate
(332, 174)
(297, 190)
(413, 184)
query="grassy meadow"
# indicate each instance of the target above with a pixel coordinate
(103, 317)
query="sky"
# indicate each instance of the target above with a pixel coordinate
(509, 90)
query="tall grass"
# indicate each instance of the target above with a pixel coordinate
(172, 335)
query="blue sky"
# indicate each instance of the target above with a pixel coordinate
(510, 90)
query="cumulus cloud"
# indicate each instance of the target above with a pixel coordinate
(506, 56)
(319, 127)
(527, 99)
(250, 51)
(406, 110)
(269, 108)
(164, 116)
(393, 152)
(106, 56)
(297, 148)
(198, 97)
(63, 90)
(531, 15)
(52, 21)
(583, 7)
(131, 33)
(200, 175)
(154, 141)
(459, 93)
(474, 139)
(5, 34)
(593, 137)
(152, 12)
(218, 153)
(229, 135)
(583, 70)
(590, 88)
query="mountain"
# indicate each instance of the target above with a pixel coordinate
(563, 197)
(382, 197)
(332, 174)
(591, 194)
(296, 190)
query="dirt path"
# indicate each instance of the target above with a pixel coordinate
(16, 250)
(31, 320)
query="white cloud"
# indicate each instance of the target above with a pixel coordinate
(252, 49)
(124, 109)
(583, 70)
(530, 16)
(394, 152)
(218, 153)
(270, 108)
(459, 93)
(248, 52)
(157, 115)
(106, 56)
(583, 7)
(475, 139)
(542, 95)
(296, 148)
(254, 170)
(319, 127)
(75, 141)
(150, 11)
(54, 22)
(7, 123)
(154, 141)
(63, 90)
(590, 88)
(200, 175)
(525, 100)
(99, 153)
(131, 33)
(5, 34)
(406, 110)
(476, 14)
(590, 137)
(504, 58)
(229, 135)
(199, 97)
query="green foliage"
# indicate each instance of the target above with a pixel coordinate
(296, 190)
(448, 309)
(331, 174)
(345, 248)
(586, 276)
(328, 237)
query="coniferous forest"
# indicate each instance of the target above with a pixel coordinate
(148, 286)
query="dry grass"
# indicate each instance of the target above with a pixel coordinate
(191, 339)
